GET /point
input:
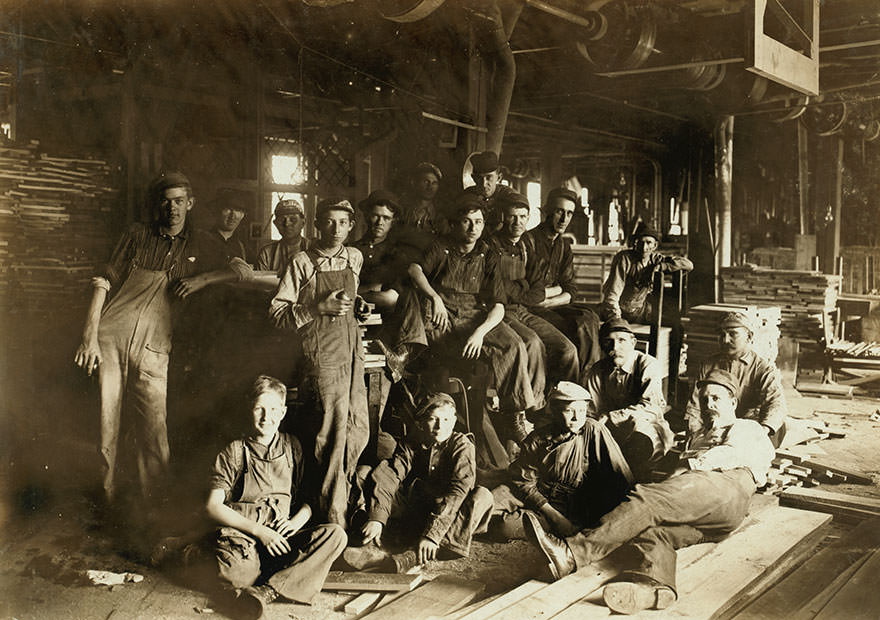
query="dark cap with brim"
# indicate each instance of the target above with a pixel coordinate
(515, 200)
(563, 192)
(720, 377)
(380, 197)
(168, 179)
(465, 203)
(230, 199)
(431, 402)
(485, 162)
(646, 230)
(614, 325)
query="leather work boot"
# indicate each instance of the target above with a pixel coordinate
(252, 601)
(405, 562)
(521, 426)
(629, 597)
(395, 360)
(368, 556)
(556, 549)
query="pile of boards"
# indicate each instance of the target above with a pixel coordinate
(861, 350)
(54, 224)
(790, 469)
(802, 296)
(702, 328)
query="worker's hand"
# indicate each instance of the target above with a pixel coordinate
(275, 542)
(88, 355)
(361, 308)
(285, 527)
(473, 346)
(427, 550)
(187, 286)
(440, 316)
(372, 531)
(336, 303)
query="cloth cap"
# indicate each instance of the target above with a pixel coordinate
(720, 377)
(485, 162)
(737, 319)
(427, 166)
(380, 197)
(333, 204)
(646, 230)
(433, 400)
(170, 178)
(563, 192)
(614, 325)
(465, 203)
(515, 199)
(567, 390)
(230, 198)
(289, 206)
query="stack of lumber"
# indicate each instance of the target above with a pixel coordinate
(591, 266)
(840, 581)
(847, 507)
(54, 216)
(702, 329)
(861, 350)
(791, 469)
(373, 356)
(802, 296)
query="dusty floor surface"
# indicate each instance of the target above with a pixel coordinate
(45, 548)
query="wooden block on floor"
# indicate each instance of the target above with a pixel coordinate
(500, 603)
(370, 582)
(735, 571)
(441, 596)
(793, 593)
(859, 597)
(362, 602)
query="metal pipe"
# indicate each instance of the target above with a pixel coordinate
(592, 23)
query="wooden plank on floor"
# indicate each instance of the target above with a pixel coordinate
(859, 597)
(441, 596)
(482, 612)
(362, 602)
(814, 605)
(793, 592)
(805, 496)
(370, 582)
(736, 570)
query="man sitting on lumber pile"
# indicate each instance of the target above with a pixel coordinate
(428, 488)
(707, 497)
(758, 382)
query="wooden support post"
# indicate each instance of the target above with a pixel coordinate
(838, 201)
(803, 175)
(723, 194)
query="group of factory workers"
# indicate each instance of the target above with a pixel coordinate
(581, 410)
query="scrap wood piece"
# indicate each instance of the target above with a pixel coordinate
(791, 596)
(736, 570)
(362, 602)
(441, 596)
(487, 609)
(850, 475)
(833, 499)
(370, 582)
(859, 597)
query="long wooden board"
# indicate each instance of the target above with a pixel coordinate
(370, 582)
(794, 592)
(441, 596)
(735, 571)
(859, 597)
(501, 603)
(834, 499)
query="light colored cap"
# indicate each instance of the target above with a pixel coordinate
(289, 206)
(567, 390)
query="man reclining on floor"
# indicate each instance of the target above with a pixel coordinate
(428, 488)
(706, 498)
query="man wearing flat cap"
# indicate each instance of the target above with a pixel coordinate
(631, 277)
(219, 244)
(424, 499)
(318, 297)
(569, 472)
(128, 338)
(420, 214)
(487, 176)
(705, 499)
(554, 262)
(758, 382)
(289, 220)
(627, 389)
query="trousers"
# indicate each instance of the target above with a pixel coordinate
(660, 517)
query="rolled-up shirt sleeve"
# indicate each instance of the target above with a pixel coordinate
(294, 301)
(120, 260)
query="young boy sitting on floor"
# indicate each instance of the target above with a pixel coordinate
(253, 485)
(428, 488)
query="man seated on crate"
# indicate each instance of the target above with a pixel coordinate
(555, 264)
(569, 472)
(626, 388)
(631, 279)
(758, 382)
(460, 285)
(705, 498)
(424, 499)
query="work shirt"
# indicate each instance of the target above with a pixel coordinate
(759, 394)
(493, 204)
(743, 444)
(248, 472)
(385, 262)
(294, 303)
(553, 257)
(471, 280)
(630, 281)
(520, 281)
(583, 474)
(146, 247)
(216, 251)
(276, 256)
(444, 474)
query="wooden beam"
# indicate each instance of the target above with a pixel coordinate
(859, 597)
(370, 582)
(441, 596)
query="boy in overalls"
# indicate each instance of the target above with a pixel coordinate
(254, 483)
(128, 340)
(318, 297)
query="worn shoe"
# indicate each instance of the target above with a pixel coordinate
(521, 426)
(252, 601)
(367, 556)
(556, 549)
(405, 562)
(395, 360)
(629, 597)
